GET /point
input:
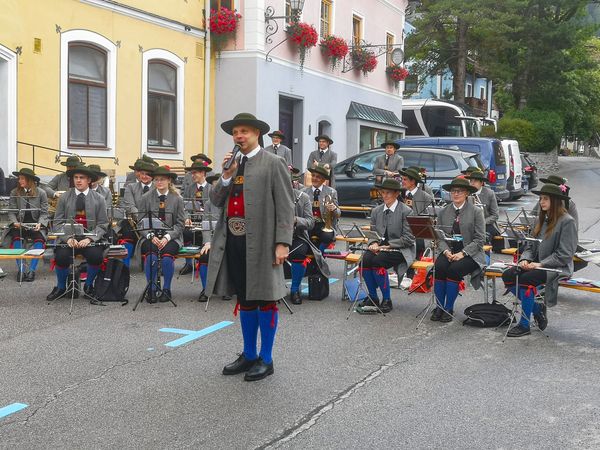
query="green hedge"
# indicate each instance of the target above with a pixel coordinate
(536, 130)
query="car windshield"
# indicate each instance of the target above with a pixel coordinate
(364, 163)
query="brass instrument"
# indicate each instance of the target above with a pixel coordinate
(53, 202)
(328, 216)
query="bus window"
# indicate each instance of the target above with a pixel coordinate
(441, 121)
(409, 119)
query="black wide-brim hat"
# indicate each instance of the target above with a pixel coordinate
(320, 170)
(200, 166)
(552, 189)
(277, 133)
(71, 161)
(460, 182)
(324, 136)
(554, 179)
(83, 169)
(390, 184)
(470, 169)
(245, 119)
(411, 173)
(212, 178)
(164, 171)
(395, 144)
(477, 175)
(96, 168)
(202, 157)
(26, 172)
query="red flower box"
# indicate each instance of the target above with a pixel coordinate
(334, 48)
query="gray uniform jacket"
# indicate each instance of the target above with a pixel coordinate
(421, 202)
(105, 192)
(269, 211)
(95, 211)
(59, 183)
(487, 198)
(39, 201)
(572, 211)
(472, 230)
(283, 151)
(325, 191)
(399, 234)
(554, 252)
(329, 157)
(132, 197)
(174, 212)
(188, 180)
(210, 212)
(395, 163)
(130, 178)
(304, 224)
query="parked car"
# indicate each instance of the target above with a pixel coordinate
(489, 150)
(354, 176)
(515, 173)
(530, 171)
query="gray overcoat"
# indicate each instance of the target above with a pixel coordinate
(554, 252)
(95, 211)
(472, 230)
(399, 234)
(174, 212)
(283, 151)
(325, 191)
(329, 157)
(304, 224)
(39, 201)
(269, 211)
(209, 212)
(395, 163)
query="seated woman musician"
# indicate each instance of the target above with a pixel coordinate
(28, 218)
(165, 203)
(462, 253)
(556, 234)
(396, 248)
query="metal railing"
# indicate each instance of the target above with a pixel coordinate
(59, 154)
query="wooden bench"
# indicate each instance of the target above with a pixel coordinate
(359, 209)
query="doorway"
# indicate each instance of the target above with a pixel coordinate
(290, 122)
(8, 110)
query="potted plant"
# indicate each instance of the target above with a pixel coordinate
(334, 48)
(305, 36)
(397, 73)
(364, 59)
(223, 25)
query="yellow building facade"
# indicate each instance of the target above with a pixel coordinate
(107, 80)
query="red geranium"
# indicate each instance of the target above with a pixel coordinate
(397, 73)
(364, 59)
(305, 36)
(223, 24)
(334, 48)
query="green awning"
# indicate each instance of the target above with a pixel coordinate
(373, 114)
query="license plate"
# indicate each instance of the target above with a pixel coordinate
(518, 178)
(501, 176)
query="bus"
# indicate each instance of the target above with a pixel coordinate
(437, 118)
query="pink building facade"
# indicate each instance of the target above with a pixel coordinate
(260, 73)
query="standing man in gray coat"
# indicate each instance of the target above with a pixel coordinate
(252, 241)
(278, 148)
(485, 198)
(389, 164)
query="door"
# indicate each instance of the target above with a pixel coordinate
(290, 122)
(8, 110)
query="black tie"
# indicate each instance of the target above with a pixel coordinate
(321, 153)
(387, 160)
(242, 167)
(456, 224)
(145, 189)
(275, 147)
(80, 202)
(162, 207)
(385, 219)
(316, 195)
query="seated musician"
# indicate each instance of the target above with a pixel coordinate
(82, 206)
(197, 192)
(569, 204)
(134, 176)
(389, 164)
(98, 186)
(557, 231)
(200, 158)
(485, 198)
(460, 255)
(62, 182)
(164, 203)
(301, 243)
(324, 202)
(27, 196)
(396, 247)
(131, 201)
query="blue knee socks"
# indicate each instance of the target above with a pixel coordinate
(61, 277)
(383, 281)
(439, 288)
(151, 269)
(203, 269)
(451, 294)
(168, 268)
(92, 271)
(34, 262)
(268, 328)
(249, 324)
(369, 277)
(527, 297)
(130, 248)
(20, 263)
(298, 270)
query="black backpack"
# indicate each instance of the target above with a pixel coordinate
(318, 287)
(487, 315)
(112, 283)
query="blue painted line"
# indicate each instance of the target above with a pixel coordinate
(331, 281)
(11, 409)
(193, 335)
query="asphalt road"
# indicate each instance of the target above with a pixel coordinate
(104, 377)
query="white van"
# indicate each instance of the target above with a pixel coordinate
(512, 154)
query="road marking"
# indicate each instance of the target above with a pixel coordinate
(190, 335)
(11, 409)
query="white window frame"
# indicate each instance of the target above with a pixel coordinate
(467, 87)
(165, 55)
(10, 58)
(111, 90)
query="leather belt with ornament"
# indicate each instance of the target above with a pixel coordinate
(237, 226)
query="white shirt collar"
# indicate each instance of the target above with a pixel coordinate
(460, 207)
(159, 194)
(414, 191)
(201, 185)
(479, 191)
(391, 208)
(319, 188)
(252, 154)
(324, 151)
(77, 192)
(144, 185)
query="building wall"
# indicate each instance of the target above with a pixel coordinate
(131, 32)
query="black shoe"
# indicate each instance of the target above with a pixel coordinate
(518, 331)
(29, 276)
(20, 276)
(165, 296)
(55, 294)
(259, 371)
(240, 365)
(368, 302)
(150, 297)
(185, 269)
(203, 298)
(436, 315)
(446, 316)
(386, 306)
(226, 298)
(295, 298)
(541, 318)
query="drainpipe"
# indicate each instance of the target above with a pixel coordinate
(207, 79)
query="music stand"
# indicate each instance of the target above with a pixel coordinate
(23, 225)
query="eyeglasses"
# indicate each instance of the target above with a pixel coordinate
(457, 191)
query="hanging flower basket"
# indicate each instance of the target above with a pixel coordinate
(305, 36)
(364, 60)
(397, 73)
(334, 48)
(223, 25)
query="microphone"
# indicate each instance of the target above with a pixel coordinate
(235, 151)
